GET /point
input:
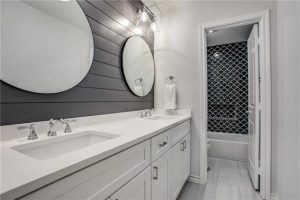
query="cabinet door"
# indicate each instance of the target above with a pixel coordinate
(176, 169)
(186, 157)
(138, 188)
(99, 180)
(160, 178)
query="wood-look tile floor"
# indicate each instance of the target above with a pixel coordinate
(226, 180)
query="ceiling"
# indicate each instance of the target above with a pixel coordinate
(229, 35)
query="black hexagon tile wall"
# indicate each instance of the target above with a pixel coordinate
(227, 82)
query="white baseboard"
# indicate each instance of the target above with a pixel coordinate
(194, 179)
(274, 196)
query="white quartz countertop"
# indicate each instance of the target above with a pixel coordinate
(21, 174)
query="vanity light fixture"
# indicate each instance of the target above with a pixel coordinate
(143, 15)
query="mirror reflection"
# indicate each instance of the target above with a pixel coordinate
(138, 66)
(47, 46)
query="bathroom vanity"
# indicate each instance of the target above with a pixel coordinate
(133, 158)
(120, 156)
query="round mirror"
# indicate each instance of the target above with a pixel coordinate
(46, 46)
(138, 66)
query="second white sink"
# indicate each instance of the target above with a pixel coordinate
(46, 149)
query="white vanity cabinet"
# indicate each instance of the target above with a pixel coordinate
(180, 166)
(175, 170)
(138, 188)
(186, 158)
(161, 178)
(99, 180)
(153, 169)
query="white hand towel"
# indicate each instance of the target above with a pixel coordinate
(139, 90)
(170, 97)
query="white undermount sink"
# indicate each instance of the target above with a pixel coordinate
(159, 117)
(58, 145)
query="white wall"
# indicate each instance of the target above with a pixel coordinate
(177, 52)
(286, 103)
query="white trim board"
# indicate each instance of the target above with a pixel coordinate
(263, 19)
(274, 196)
(194, 179)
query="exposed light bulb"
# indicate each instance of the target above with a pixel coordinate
(124, 22)
(153, 26)
(211, 31)
(144, 15)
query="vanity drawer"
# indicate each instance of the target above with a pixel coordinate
(99, 180)
(179, 131)
(160, 144)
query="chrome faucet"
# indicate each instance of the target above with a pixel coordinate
(146, 113)
(32, 135)
(67, 122)
(52, 128)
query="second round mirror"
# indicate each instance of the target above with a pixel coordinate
(138, 66)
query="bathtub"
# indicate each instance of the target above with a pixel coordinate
(228, 146)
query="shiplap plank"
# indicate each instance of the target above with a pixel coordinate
(45, 111)
(101, 82)
(96, 14)
(106, 57)
(118, 17)
(114, 14)
(86, 94)
(105, 32)
(104, 44)
(126, 10)
(106, 70)
(129, 9)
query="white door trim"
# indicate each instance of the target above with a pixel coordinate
(263, 19)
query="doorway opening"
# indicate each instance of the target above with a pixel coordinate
(236, 97)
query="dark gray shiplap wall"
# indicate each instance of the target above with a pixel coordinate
(104, 89)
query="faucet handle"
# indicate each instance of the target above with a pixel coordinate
(141, 114)
(67, 122)
(32, 135)
(52, 128)
(148, 112)
(52, 121)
